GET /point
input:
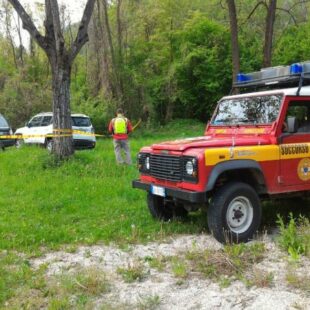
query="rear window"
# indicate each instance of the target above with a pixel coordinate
(81, 121)
(3, 122)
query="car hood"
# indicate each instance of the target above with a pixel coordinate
(20, 130)
(210, 141)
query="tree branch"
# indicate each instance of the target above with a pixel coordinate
(289, 13)
(298, 3)
(59, 39)
(82, 35)
(28, 24)
(254, 9)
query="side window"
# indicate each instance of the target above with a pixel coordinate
(3, 122)
(300, 110)
(47, 120)
(35, 122)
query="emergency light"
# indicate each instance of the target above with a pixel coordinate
(275, 75)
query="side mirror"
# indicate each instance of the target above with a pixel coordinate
(26, 124)
(292, 124)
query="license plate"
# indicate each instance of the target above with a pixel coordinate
(158, 191)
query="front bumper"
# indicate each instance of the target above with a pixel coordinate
(7, 142)
(83, 144)
(194, 197)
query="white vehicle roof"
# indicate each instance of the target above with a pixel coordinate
(304, 91)
(51, 114)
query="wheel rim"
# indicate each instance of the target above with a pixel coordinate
(19, 143)
(49, 146)
(239, 214)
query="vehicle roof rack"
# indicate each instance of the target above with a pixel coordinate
(295, 75)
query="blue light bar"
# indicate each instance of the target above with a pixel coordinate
(274, 75)
(241, 77)
(296, 68)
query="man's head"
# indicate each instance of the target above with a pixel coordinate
(119, 111)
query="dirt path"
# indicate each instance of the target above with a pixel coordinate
(162, 288)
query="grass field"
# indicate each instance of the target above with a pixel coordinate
(86, 200)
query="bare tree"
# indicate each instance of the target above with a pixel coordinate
(234, 38)
(61, 59)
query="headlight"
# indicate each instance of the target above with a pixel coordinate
(147, 163)
(144, 163)
(189, 168)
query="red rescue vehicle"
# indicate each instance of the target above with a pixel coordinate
(256, 146)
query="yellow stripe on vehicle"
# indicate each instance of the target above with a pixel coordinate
(258, 153)
(214, 156)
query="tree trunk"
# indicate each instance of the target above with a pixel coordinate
(115, 70)
(270, 19)
(234, 39)
(62, 142)
(105, 71)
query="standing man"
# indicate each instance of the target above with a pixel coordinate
(120, 127)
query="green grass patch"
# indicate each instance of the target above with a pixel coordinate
(85, 200)
(133, 272)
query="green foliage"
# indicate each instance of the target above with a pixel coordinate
(294, 237)
(24, 90)
(203, 70)
(293, 46)
(175, 59)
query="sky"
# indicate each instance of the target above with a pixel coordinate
(73, 12)
(73, 7)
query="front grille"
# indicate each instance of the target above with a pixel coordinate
(166, 167)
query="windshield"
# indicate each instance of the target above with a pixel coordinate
(81, 121)
(3, 122)
(247, 110)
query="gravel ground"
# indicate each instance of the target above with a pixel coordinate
(162, 290)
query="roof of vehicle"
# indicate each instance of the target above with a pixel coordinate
(51, 114)
(304, 91)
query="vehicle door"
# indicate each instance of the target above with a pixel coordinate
(295, 144)
(33, 129)
(44, 129)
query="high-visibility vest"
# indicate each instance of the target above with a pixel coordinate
(120, 125)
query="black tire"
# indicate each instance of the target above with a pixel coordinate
(162, 210)
(234, 213)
